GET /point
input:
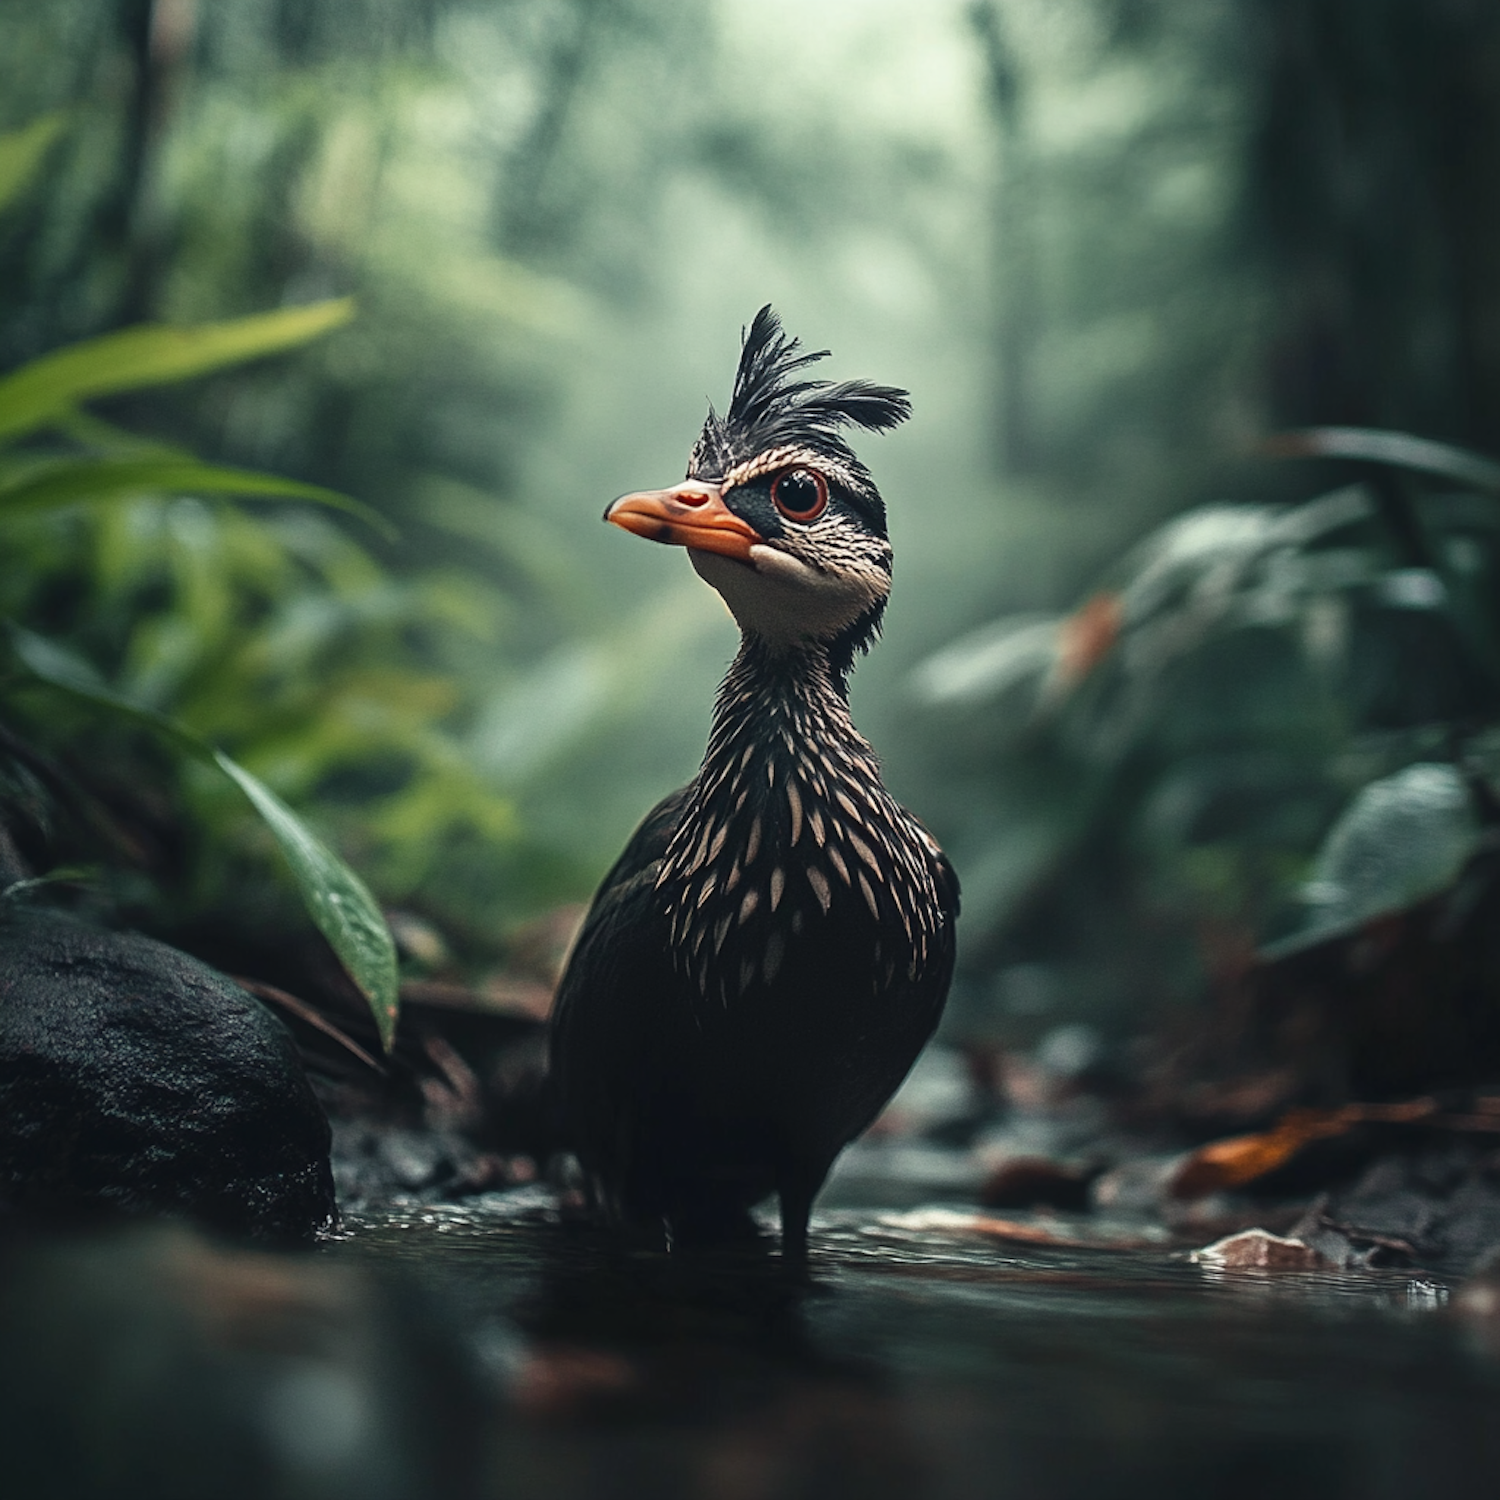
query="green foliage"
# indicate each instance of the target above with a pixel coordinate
(1402, 839)
(335, 897)
(1042, 219)
(47, 389)
(23, 151)
(339, 901)
(551, 271)
(1239, 739)
(45, 393)
(45, 483)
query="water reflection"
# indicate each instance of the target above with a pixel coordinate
(498, 1350)
(938, 1362)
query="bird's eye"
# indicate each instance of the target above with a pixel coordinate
(800, 494)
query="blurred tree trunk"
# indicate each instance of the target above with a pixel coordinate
(1372, 189)
(1017, 312)
(158, 37)
(524, 216)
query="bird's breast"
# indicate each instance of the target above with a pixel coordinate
(789, 877)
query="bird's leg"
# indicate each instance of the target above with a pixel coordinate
(796, 1208)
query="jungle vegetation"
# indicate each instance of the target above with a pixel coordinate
(1139, 673)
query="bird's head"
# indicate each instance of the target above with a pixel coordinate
(777, 512)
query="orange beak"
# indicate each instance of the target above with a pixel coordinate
(691, 514)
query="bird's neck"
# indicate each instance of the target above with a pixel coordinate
(788, 702)
(788, 824)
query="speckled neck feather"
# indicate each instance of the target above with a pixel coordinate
(789, 811)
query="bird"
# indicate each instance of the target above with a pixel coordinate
(761, 966)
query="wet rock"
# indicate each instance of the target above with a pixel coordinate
(136, 1079)
(1026, 1181)
(375, 1163)
(1352, 1247)
(1436, 1206)
(1260, 1250)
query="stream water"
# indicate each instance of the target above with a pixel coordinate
(927, 1359)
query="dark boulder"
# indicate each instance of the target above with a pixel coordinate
(137, 1079)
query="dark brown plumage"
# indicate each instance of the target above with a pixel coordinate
(766, 958)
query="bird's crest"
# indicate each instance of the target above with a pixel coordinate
(769, 409)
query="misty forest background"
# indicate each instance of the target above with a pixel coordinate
(1133, 676)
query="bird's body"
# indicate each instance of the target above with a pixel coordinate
(767, 957)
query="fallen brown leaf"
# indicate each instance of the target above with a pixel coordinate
(1243, 1158)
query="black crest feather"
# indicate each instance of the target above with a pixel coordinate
(770, 409)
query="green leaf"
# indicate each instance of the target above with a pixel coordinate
(1399, 449)
(22, 153)
(68, 481)
(1017, 651)
(336, 898)
(1401, 840)
(62, 668)
(152, 354)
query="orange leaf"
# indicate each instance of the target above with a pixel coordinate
(1243, 1158)
(1087, 636)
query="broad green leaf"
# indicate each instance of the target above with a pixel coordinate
(23, 151)
(152, 354)
(1401, 840)
(1019, 650)
(1399, 449)
(66, 669)
(67, 481)
(335, 897)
